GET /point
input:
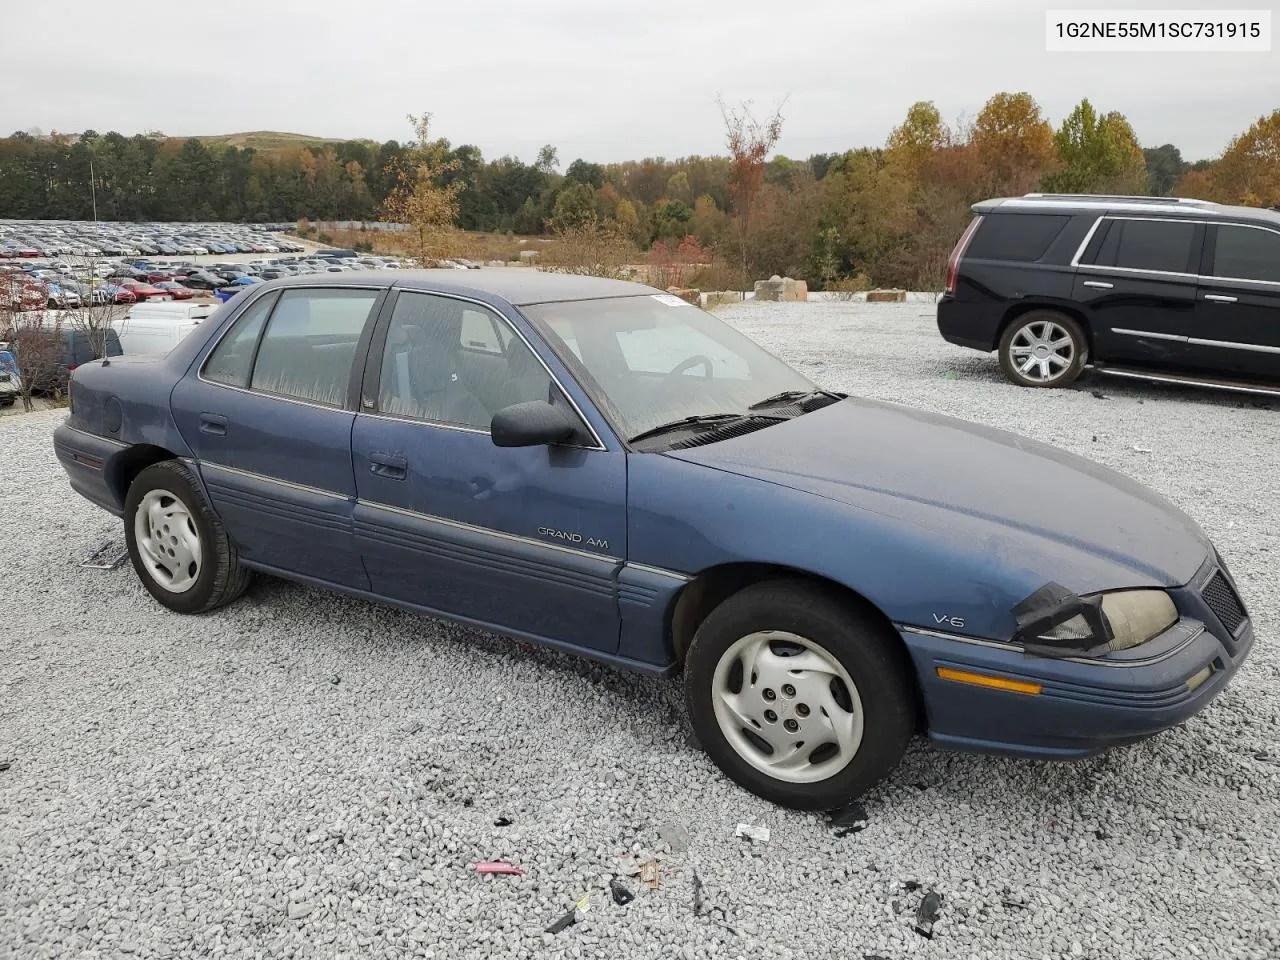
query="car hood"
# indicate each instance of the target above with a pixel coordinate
(890, 459)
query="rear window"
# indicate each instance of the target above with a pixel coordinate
(1016, 236)
(1247, 253)
(1161, 245)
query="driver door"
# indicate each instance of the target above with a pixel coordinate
(528, 539)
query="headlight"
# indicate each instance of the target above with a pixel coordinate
(1136, 616)
(1053, 621)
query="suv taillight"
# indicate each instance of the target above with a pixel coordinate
(953, 264)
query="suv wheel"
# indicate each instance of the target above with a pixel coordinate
(1043, 348)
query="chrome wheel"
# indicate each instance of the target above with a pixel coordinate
(1042, 351)
(787, 706)
(168, 541)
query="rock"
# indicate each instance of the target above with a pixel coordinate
(688, 294)
(781, 289)
(526, 255)
(886, 296)
(675, 835)
(719, 298)
(299, 910)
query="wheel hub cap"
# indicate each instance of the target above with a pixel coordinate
(168, 541)
(1042, 351)
(787, 706)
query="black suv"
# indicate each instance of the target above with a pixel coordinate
(1156, 288)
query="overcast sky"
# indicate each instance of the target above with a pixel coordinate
(599, 79)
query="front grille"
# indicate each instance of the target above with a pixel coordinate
(1224, 603)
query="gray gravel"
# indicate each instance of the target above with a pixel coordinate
(305, 775)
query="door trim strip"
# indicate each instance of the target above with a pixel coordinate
(249, 474)
(1149, 334)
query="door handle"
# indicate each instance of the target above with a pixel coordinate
(1100, 284)
(1219, 298)
(214, 424)
(388, 467)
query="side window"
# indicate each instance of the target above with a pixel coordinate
(233, 356)
(1023, 237)
(431, 370)
(310, 343)
(1247, 253)
(481, 331)
(1162, 245)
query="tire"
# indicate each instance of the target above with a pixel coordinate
(844, 642)
(1052, 343)
(212, 575)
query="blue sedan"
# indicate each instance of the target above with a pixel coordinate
(600, 467)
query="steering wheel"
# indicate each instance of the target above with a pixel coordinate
(688, 363)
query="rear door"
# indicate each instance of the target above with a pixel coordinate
(268, 413)
(1237, 320)
(1136, 281)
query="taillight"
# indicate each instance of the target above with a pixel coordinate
(71, 367)
(953, 264)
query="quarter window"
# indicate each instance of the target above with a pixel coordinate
(1020, 237)
(453, 362)
(1161, 245)
(1247, 253)
(310, 343)
(232, 358)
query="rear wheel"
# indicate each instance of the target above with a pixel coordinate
(1043, 348)
(177, 544)
(800, 695)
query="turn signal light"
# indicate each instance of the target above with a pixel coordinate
(987, 680)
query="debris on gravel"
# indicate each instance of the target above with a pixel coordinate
(193, 786)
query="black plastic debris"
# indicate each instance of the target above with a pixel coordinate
(565, 922)
(468, 802)
(1101, 834)
(5, 765)
(850, 819)
(930, 906)
(1013, 904)
(911, 885)
(621, 895)
(927, 914)
(502, 822)
(335, 679)
(699, 895)
(106, 556)
(873, 956)
(1100, 395)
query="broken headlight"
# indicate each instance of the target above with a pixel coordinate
(1056, 622)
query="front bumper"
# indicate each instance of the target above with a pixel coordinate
(1086, 705)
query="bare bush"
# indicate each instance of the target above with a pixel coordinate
(590, 249)
(39, 351)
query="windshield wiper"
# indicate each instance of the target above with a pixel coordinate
(792, 396)
(684, 422)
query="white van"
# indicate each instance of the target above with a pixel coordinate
(156, 328)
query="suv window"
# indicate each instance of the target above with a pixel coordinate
(1021, 237)
(310, 343)
(430, 372)
(1247, 253)
(233, 356)
(1162, 245)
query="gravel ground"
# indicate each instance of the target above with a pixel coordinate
(305, 775)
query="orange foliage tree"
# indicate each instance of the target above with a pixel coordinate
(749, 141)
(1013, 144)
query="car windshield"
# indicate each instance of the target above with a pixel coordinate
(651, 360)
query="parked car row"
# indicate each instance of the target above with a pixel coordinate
(52, 238)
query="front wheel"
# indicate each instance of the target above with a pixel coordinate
(177, 544)
(800, 695)
(1043, 348)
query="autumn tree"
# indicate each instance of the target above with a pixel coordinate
(1013, 142)
(912, 143)
(1249, 171)
(1098, 154)
(749, 141)
(419, 199)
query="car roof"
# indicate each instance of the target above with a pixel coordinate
(520, 286)
(1172, 207)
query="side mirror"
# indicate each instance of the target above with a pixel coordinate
(532, 424)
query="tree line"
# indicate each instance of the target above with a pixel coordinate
(889, 213)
